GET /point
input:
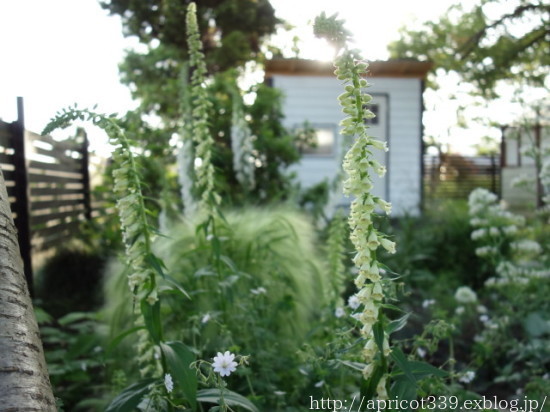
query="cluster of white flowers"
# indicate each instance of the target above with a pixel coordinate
(242, 145)
(515, 257)
(134, 226)
(526, 246)
(259, 291)
(464, 294)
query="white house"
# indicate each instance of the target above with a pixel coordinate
(311, 90)
(518, 164)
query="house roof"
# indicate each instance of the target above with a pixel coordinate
(390, 68)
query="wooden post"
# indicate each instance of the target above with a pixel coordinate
(86, 175)
(22, 193)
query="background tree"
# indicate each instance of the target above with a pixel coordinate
(495, 40)
(24, 381)
(233, 33)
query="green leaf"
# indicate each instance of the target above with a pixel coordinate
(398, 324)
(116, 341)
(403, 363)
(421, 370)
(169, 279)
(179, 358)
(231, 398)
(354, 365)
(151, 315)
(535, 325)
(230, 264)
(75, 317)
(378, 332)
(42, 316)
(392, 307)
(129, 398)
(156, 263)
(402, 389)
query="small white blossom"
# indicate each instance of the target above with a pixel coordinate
(467, 377)
(481, 309)
(421, 352)
(339, 312)
(259, 291)
(459, 310)
(464, 294)
(168, 383)
(224, 363)
(354, 302)
(427, 303)
(206, 318)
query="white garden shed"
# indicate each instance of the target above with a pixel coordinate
(310, 94)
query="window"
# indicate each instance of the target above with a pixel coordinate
(322, 141)
(375, 109)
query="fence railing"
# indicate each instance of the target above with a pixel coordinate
(48, 185)
(454, 176)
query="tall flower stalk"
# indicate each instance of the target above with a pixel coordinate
(186, 151)
(138, 235)
(204, 169)
(358, 165)
(241, 144)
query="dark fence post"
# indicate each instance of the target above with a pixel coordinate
(22, 193)
(86, 175)
(539, 188)
(494, 175)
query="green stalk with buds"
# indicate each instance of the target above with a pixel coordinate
(358, 166)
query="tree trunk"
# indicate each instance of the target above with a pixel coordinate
(24, 381)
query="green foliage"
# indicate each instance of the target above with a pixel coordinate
(484, 44)
(430, 244)
(76, 361)
(154, 78)
(267, 286)
(70, 281)
(232, 31)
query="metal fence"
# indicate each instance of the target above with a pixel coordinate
(455, 176)
(48, 185)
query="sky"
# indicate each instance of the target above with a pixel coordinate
(58, 52)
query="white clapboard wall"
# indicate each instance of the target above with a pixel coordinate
(398, 104)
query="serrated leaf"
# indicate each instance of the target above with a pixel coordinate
(179, 358)
(230, 398)
(129, 398)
